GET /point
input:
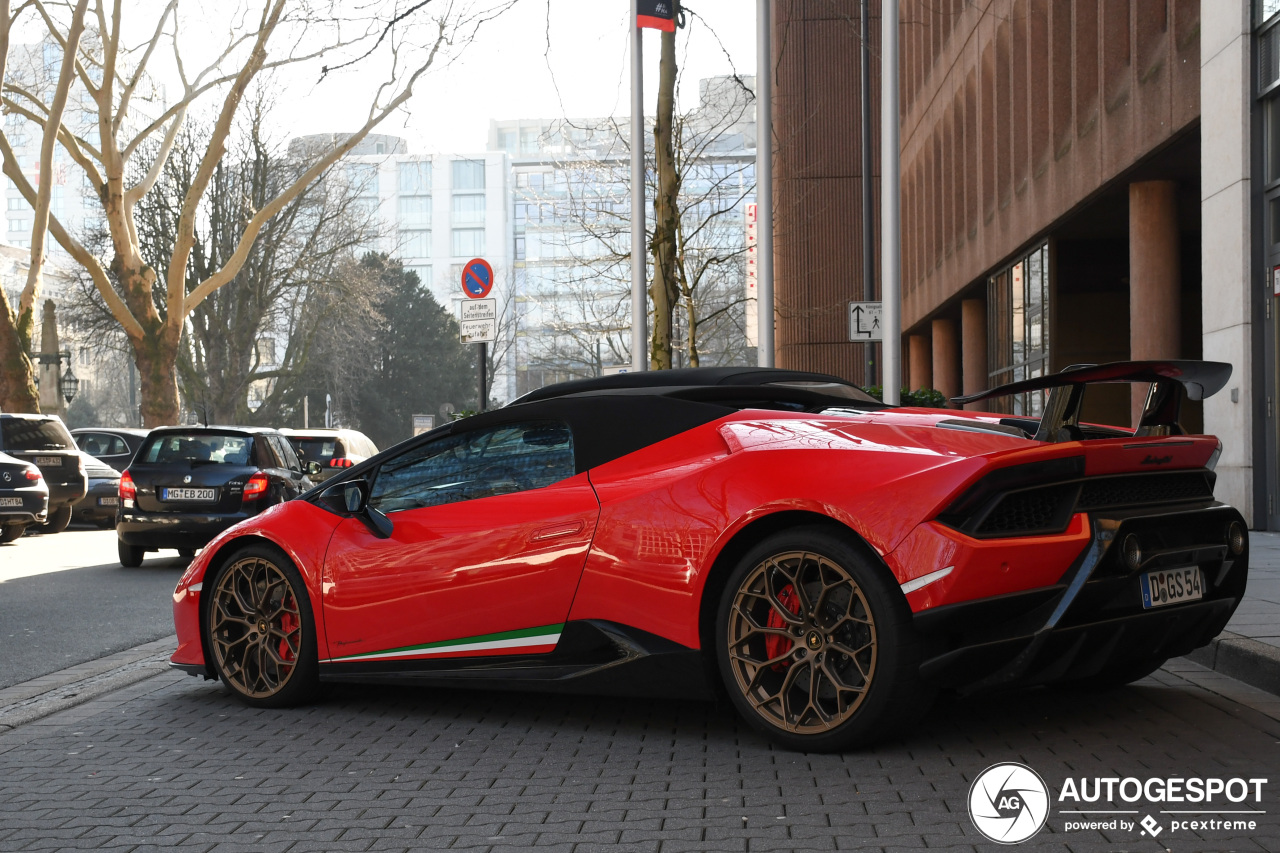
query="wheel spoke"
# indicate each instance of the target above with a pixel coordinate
(255, 663)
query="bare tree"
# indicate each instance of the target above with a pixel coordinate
(111, 72)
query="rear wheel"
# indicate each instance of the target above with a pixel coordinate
(815, 644)
(130, 555)
(12, 532)
(187, 554)
(260, 629)
(58, 520)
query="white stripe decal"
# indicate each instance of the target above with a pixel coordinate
(544, 641)
(925, 580)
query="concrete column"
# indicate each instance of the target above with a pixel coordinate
(920, 351)
(1155, 277)
(973, 328)
(946, 357)
(1226, 101)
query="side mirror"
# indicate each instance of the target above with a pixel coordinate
(313, 468)
(351, 498)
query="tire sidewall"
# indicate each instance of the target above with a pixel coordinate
(895, 682)
(303, 680)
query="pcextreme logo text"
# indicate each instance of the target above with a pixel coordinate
(1010, 803)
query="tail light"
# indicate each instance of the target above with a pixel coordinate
(32, 474)
(127, 490)
(340, 463)
(256, 487)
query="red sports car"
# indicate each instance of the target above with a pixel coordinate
(827, 560)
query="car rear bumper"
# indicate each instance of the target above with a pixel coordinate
(90, 509)
(1093, 619)
(161, 530)
(34, 509)
(62, 494)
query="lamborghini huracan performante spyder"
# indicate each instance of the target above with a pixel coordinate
(828, 560)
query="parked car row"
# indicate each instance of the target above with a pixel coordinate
(172, 487)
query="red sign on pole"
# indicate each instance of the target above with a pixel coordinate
(477, 278)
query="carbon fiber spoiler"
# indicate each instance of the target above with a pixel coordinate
(1169, 381)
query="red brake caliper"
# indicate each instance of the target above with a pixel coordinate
(288, 624)
(773, 644)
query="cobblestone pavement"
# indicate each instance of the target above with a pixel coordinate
(175, 763)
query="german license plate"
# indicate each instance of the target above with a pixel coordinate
(49, 461)
(1172, 586)
(10, 501)
(111, 501)
(188, 494)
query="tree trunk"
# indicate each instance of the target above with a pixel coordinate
(665, 289)
(155, 359)
(17, 373)
(691, 317)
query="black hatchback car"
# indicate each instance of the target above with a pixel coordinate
(186, 485)
(43, 441)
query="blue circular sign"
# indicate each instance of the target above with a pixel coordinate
(477, 278)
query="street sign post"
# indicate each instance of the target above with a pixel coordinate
(423, 423)
(866, 321)
(482, 327)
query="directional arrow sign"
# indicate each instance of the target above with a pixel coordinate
(865, 321)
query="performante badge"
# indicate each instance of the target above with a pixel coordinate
(1008, 803)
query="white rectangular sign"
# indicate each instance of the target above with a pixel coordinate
(478, 321)
(423, 423)
(865, 321)
(478, 309)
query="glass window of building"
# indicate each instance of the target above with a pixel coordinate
(423, 271)
(1018, 328)
(468, 209)
(468, 174)
(415, 177)
(364, 178)
(529, 142)
(415, 211)
(415, 244)
(468, 242)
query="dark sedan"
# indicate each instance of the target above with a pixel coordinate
(98, 507)
(43, 441)
(24, 497)
(113, 445)
(188, 484)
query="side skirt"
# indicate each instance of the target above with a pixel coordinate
(591, 657)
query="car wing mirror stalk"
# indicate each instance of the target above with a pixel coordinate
(350, 498)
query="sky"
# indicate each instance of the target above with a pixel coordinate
(540, 59)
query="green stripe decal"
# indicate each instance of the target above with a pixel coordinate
(541, 636)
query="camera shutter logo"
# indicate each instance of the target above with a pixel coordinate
(1008, 803)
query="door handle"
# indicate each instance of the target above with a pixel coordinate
(556, 531)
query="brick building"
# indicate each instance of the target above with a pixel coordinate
(1082, 181)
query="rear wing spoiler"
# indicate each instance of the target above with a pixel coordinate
(1169, 381)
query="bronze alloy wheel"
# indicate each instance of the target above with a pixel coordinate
(255, 627)
(802, 643)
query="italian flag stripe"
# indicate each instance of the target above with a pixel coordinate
(511, 642)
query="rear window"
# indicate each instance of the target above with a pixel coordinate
(318, 449)
(204, 447)
(34, 434)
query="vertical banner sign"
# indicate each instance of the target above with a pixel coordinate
(753, 306)
(656, 14)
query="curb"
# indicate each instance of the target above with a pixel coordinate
(75, 685)
(1253, 662)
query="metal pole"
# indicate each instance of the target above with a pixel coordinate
(306, 412)
(484, 365)
(890, 205)
(868, 196)
(639, 250)
(764, 186)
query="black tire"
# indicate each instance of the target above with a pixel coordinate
(130, 555)
(849, 623)
(266, 657)
(187, 554)
(12, 532)
(58, 520)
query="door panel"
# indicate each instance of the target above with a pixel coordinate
(460, 571)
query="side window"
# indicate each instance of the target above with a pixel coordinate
(262, 455)
(479, 464)
(285, 451)
(116, 445)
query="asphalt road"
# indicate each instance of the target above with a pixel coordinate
(65, 599)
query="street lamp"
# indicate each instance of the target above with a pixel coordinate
(68, 384)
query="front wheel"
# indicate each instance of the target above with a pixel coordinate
(815, 643)
(130, 555)
(260, 630)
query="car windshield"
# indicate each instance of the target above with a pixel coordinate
(34, 434)
(317, 449)
(206, 448)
